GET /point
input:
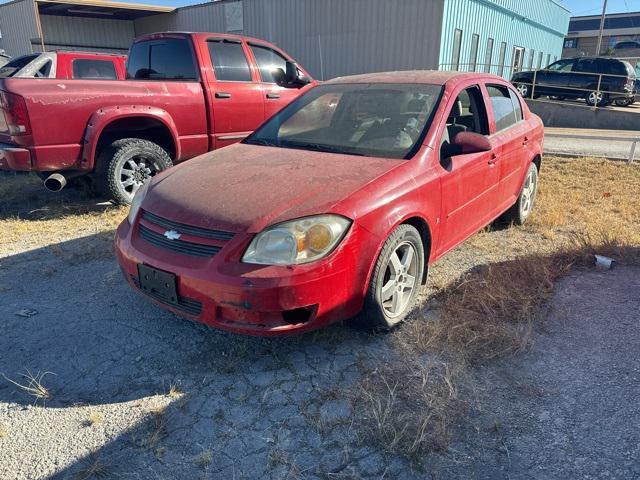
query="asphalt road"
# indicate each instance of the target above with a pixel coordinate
(609, 148)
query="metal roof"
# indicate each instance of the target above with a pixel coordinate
(99, 9)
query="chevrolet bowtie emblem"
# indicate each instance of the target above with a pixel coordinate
(172, 234)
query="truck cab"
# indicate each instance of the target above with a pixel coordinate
(184, 94)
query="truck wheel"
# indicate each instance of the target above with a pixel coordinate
(395, 282)
(126, 164)
(523, 207)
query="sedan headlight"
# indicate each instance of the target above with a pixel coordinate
(136, 202)
(297, 241)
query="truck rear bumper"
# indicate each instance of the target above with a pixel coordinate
(14, 158)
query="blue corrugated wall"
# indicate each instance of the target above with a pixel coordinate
(538, 25)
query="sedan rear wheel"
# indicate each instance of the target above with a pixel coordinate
(523, 207)
(396, 280)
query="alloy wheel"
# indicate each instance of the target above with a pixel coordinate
(529, 193)
(135, 171)
(595, 98)
(523, 89)
(399, 279)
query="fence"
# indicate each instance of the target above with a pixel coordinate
(596, 94)
(611, 138)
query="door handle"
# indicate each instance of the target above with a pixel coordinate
(273, 95)
(493, 159)
(525, 141)
(223, 95)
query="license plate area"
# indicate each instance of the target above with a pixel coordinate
(157, 283)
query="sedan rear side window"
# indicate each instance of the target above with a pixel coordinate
(15, 65)
(229, 61)
(94, 69)
(504, 111)
(268, 60)
(167, 59)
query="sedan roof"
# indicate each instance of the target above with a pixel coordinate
(433, 77)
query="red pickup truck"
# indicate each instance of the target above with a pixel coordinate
(185, 94)
(66, 65)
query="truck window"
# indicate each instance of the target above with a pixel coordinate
(229, 61)
(94, 69)
(166, 59)
(268, 60)
(44, 70)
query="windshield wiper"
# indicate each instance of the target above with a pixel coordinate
(319, 147)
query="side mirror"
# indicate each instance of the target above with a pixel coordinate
(290, 78)
(467, 142)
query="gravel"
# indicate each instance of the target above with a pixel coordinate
(251, 408)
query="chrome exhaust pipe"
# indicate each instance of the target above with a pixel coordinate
(55, 182)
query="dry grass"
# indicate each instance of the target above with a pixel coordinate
(33, 385)
(4, 430)
(584, 207)
(93, 467)
(95, 418)
(204, 459)
(175, 391)
(152, 439)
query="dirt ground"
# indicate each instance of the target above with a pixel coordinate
(131, 391)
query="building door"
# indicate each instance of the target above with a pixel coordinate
(517, 59)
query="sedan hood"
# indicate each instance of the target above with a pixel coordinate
(248, 187)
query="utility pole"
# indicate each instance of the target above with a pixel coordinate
(604, 12)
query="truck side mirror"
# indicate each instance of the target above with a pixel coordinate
(290, 78)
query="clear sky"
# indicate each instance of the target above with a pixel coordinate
(577, 7)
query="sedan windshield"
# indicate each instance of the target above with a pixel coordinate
(379, 120)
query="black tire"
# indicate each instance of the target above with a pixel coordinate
(375, 314)
(590, 99)
(111, 162)
(520, 211)
(623, 102)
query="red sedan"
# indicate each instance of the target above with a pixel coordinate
(337, 205)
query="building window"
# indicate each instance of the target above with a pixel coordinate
(571, 43)
(455, 53)
(488, 55)
(473, 55)
(532, 55)
(539, 60)
(503, 51)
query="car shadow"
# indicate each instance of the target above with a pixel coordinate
(103, 347)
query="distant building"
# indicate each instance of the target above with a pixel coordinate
(621, 35)
(329, 37)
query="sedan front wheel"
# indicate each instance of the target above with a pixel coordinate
(396, 280)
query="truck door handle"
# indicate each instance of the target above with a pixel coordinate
(525, 141)
(493, 159)
(273, 95)
(223, 95)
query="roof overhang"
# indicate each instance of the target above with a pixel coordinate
(99, 9)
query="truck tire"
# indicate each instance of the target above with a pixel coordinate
(125, 165)
(395, 282)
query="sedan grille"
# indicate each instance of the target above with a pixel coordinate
(188, 229)
(179, 246)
